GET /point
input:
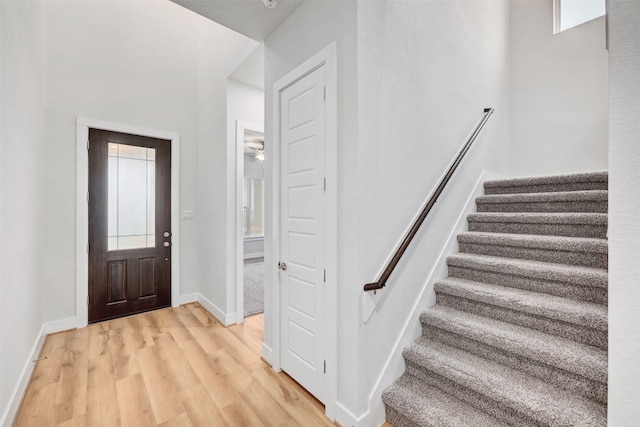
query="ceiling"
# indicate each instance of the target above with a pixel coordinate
(249, 17)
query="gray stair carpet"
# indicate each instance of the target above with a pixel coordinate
(518, 335)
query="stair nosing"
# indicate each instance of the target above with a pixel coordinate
(401, 392)
(494, 375)
(568, 218)
(584, 177)
(551, 196)
(536, 241)
(565, 273)
(563, 309)
(590, 361)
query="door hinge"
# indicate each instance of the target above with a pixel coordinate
(325, 276)
(325, 184)
(88, 248)
(88, 303)
(87, 197)
(88, 144)
(325, 366)
(325, 93)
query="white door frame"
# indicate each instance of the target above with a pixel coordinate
(241, 126)
(82, 208)
(328, 58)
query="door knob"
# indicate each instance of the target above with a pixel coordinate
(166, 234)
(282, 266)
(166, 244)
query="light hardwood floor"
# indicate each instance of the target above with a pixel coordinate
(169, 367)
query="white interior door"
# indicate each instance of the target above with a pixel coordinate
(303, 233)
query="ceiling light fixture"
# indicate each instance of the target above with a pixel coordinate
(270, 3)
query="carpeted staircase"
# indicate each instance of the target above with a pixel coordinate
(518, 335)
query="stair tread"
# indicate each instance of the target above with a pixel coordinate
(537, 241)
(586, 276)
(599, 176)
(554, 196)
(582, 359)
(429, 406)
(588, 218)
(587, 314)
(528, 395)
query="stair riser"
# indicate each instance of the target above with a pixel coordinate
(548, 188)
(588, 206)
(499, 410)
(543, 324)
(561, 378)
(566, 290)
(568, 230)
(585, 259)
(397, 419)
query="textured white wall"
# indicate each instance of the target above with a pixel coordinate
(558, 93)
(151, 64)
(312, 27)
(624, 212)
(22, 144)
(426, 71)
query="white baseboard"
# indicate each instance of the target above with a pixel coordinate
(394, 365)
(188, 298)
(343, 416)
(225, 318)
(60, 325)
(253, 255)
(268, 356)
(20, 388)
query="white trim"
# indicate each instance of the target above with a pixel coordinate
(345, 417)
(17, 394)
(267, 355)
(56, 326)
(189, 298)
(556, 17)
(82, 210)
(225, 318)
(328, 58)
(238, 259)
(393, 367)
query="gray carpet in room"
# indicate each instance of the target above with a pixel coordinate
(518, 334)
(253, 286)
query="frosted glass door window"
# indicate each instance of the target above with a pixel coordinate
(131, 197)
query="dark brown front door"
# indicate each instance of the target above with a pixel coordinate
(129, 224)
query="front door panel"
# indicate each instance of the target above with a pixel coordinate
(129, 224)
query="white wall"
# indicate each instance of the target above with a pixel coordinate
(624, 212)
(22, 146)
(245, 104)
(215, 221)
(312, 27)
(426, 71)
(151, 64)
(558, 93)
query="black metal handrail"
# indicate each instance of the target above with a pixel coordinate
(382, 281)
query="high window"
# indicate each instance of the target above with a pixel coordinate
(571, 13)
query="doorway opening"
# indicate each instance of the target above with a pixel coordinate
(250, 210)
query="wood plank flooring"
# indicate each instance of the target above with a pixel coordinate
(171, 367)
